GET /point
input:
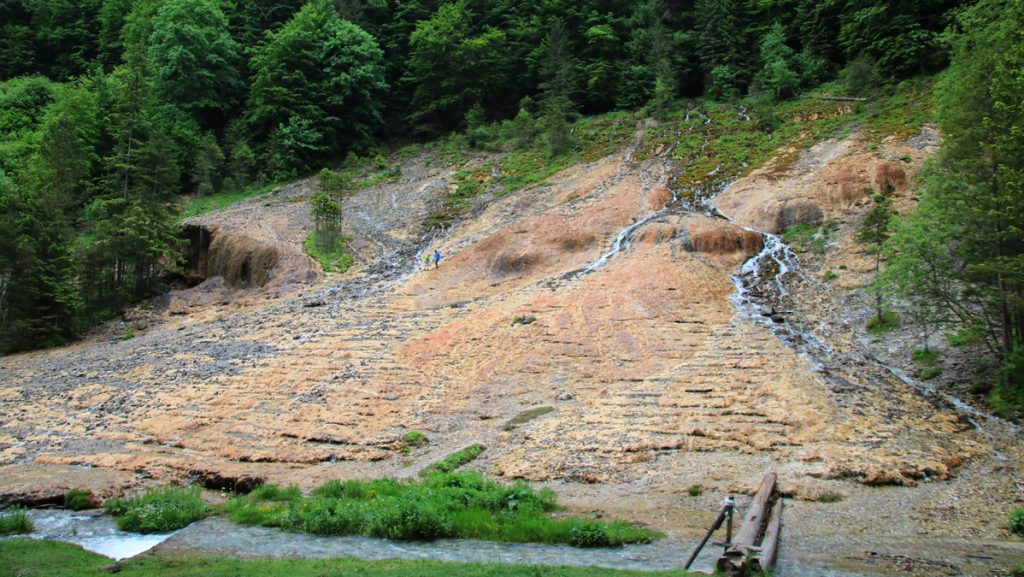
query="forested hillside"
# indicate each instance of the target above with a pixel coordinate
(111, 111)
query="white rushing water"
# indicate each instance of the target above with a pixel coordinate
(93, 531)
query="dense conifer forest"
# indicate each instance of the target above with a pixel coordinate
(113, 111)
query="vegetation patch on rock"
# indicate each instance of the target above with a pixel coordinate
(159, 510)
(460, 505)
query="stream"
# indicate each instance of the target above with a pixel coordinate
(216, 536)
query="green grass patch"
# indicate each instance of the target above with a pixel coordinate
(459, 505)
(523, 320)
(15, 521)
(79, 500)
(523, 164)
(25, 557)
(804, 238)
(927, 357)
(830, 275)
(457, 459)
(336, 259)
(695, 490)
(879, 325)
(927, 361)
(220, 200)
(526, 416)
(159, 510)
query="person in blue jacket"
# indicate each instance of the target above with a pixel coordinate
(437, 257)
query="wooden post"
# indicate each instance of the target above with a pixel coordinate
(736, 558)
(726, 510)
(765, 560)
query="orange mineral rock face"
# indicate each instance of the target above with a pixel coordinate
(646, 374)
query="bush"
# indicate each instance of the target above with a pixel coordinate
(415, 439)
(883, 324)
(1017, 570)
(1017, 521)
(695, 490)
(15, 521)
(159, 510)
(79, 499)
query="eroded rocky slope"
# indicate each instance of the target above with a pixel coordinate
(656, 376)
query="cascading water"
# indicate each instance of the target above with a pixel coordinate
(762, 293)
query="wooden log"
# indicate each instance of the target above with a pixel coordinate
(736, 558)
(836, 98)
(711, 531)
(765, 560)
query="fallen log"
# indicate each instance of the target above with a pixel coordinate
(765, 560)
(836, 98)
(735, 561)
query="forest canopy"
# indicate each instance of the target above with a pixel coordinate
(111, 111)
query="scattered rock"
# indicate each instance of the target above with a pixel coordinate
(114, 567)
(564, 396)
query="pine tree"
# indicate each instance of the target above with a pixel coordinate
(559, 72)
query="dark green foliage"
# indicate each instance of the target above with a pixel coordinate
(695, 490)
(39, 304)
(556, 103)
(959, 257)
(316, 89)
(15, 521)
(159, 510)
(463, 505)
(152, 105)
(194, 59)
(1016, 521)
(79, 499)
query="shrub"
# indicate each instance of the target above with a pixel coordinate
(1017, 521)
(415, 439)
(1017, 570)
(79, 499)
(830, 275)
(883, 324)
(695, 490)
(929, 373)
(15, 521)
(159, 510)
